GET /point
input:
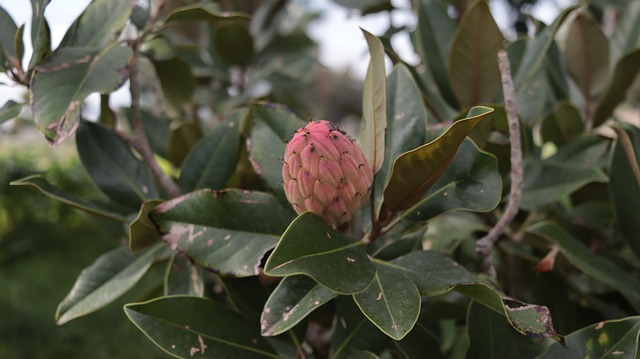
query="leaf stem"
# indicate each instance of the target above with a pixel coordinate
(484, 246)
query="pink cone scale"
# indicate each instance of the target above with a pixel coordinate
(325, 172)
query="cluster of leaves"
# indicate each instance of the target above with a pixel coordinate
(195, 180)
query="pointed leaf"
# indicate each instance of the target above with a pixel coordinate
(374, 105)
(595, 266)
(183, 277)
(407, 126)
(10, 110)
(292, 300)
(110, 276)
(311, 247)
(38, 183)
(40, 34)
(392, 302)
(214, 158)
(607, 339)
(186, 326)
(199, 12)
(177, 81)
(586, 55)
(414, 172)
(473, 64)
(60, 86)
(472, 183)
(142, 231)
(112, 166)
(99, 24)
(228, 231)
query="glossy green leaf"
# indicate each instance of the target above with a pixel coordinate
(182, 138)
(292, 300)
(473, 62)
(414, 172)
(200, 12)
(38, 183)
(214, 158)
(617, 338)
(272, 126)
(183, 277)
(112, 166)
(142, 231)
(311, 247)
(406, 126)
(177, 81)
(60, 86)
(188, 327)
(472, 182)
(228, 231)
(8, 29)
(354, 333)
(234, 43)
(10, 110)
(40, 33)
(624, 73)
(491, 336)
(626, 34)
(586, 55)
(435, 33)
(391, 302)
(110, 276)
(374, 105)
(624, 185)
(593, 265)
(420, 342)
(99, 24)
(563, 124)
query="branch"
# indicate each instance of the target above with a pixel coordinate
(484, 246)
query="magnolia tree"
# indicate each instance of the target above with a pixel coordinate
(484, 203)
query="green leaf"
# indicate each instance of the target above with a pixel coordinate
(473, 63)
(183, 277)
(8, 30)
(292, 300)
(472, 182)
(99, 24)
(10, 110)
(199, 12)
(40, 34)
(38, 183)
(586, 55)
(142, 231)
(311, 247)
(228, 231)
(407, 185)
(420, 343)
(407, 126)
(110, 276)
(624, 73)
(624, 185)
(213, 160)
(182, 138)
(177, 81)
(563, 124)
(374, 105)
(607, 339)
(272, 126)
(112, 166)
(595, 266)
(391, 302)
(626, 35)
(491, 336)
(19, 45)
(186, 326)
(60, 86)
(234, 43)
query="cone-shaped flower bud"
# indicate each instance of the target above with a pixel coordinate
(325, 172)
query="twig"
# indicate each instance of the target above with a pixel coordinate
(484, 246)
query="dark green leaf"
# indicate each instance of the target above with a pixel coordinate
(40, 34)
(37, 182)
(595, 266)
(626, 35)
(472, 182)
(110, 276)
(228, 231)
(563, 124)
(214, 158)
(420, 343)
(10, 110)
(8, 30)
(473, 64)
(183, 277)
(112, 166)
(292, 300)
(607, 339)
(353, 332)
(391, 302)
(142, 232)
(177, 81)
(99, 24)
(19, 45)
(60, 86)
(198, 12)
(186, 326)
(157, 131)
(407, 185)
(182, 138)
(234, 43)
(311, 247)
